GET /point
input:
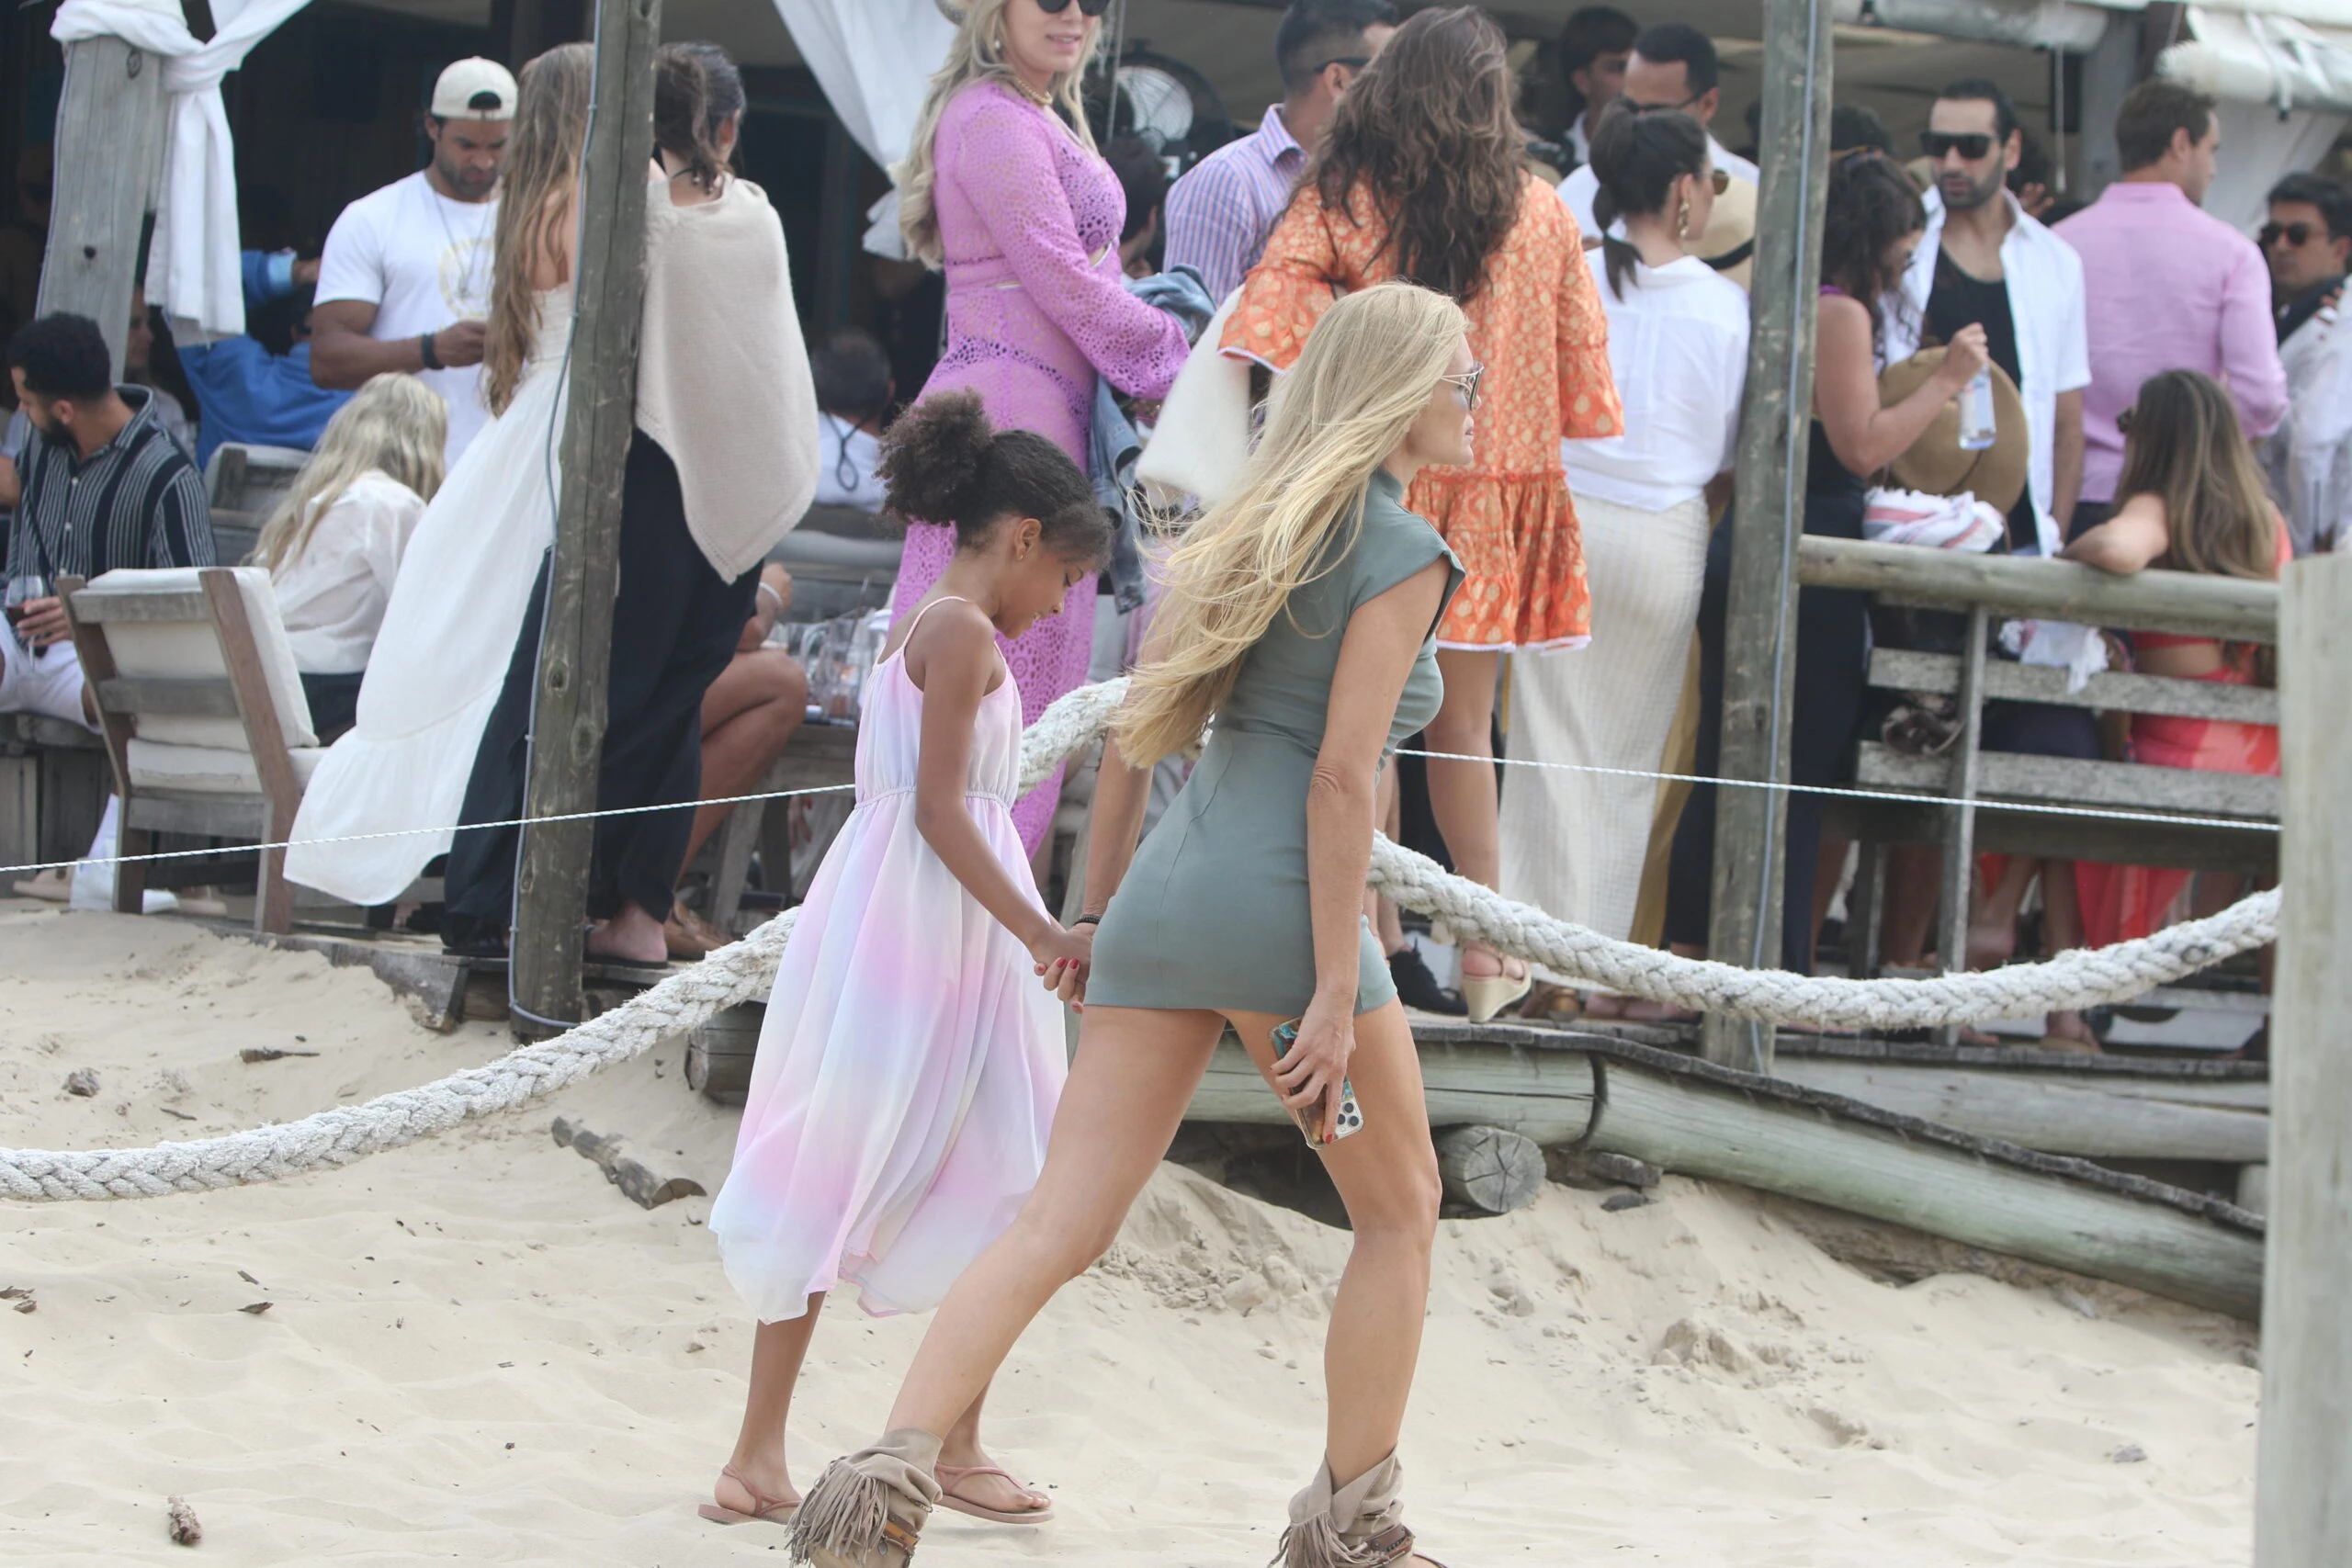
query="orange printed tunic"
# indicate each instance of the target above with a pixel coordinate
(1537, 323)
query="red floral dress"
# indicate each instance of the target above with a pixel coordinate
(1538, 325)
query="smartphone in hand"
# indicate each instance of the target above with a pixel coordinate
(1310, 1119)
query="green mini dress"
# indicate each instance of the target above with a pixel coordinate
(1214, 911)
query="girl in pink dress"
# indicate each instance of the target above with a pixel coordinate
(911, 1062)
(1005, 192)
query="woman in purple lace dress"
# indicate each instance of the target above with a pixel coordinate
(1005, 192)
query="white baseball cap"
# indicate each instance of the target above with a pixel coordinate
(474, 89)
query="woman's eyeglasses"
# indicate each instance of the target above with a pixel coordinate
(1969, 144)
(2295, 235)
(1085, 7)
(1466, 385)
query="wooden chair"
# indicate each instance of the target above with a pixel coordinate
(243, 483)
(204, 715)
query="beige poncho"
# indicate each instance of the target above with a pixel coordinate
(722, 372)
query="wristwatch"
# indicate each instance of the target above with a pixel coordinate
(428, 353)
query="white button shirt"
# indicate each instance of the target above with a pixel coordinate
(1678, 350)
(2046, 305)
(332, 596)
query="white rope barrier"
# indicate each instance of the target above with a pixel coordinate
(744, 971)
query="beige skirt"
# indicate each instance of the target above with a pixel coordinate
(1572, 843)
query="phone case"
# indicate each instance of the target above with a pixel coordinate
(1351, 1117)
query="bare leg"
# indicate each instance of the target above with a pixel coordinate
(1134, 1074)
(1387, 1175)
(748, 715)
(1461, 795)
(1914, 876)
(960, 1449)
(1992, 933)
(777, 1350)
(2062, 927)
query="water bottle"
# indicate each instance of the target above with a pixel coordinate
(1976, 431)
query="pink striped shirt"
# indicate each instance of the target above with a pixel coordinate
(1220, 213)
(2168, 288)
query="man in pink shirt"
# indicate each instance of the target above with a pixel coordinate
(2167, 286)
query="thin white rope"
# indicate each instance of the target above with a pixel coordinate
(744, 971)
(244, 849)
(1982, 803)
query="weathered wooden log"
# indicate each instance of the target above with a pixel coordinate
(637, 1184)
(2233, 607)
(719, 1053)
(1489, 1168)
(109, 130)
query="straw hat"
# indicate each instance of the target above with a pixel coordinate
(1936, 463)
(1729, 243)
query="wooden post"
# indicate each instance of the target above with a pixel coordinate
(1768, 513)
(575, 646)
(109, 124)
(2302, 1513)
(1959, 833)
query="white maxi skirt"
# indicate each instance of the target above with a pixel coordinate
(1573, 844)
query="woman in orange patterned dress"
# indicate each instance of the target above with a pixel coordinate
(1423, 177)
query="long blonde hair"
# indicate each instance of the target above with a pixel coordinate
(1366, 374)
(535, 206)
(977, 55)
(394, 424)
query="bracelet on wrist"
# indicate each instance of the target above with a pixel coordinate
(428, 354)
(769, 589)
(1086, 920)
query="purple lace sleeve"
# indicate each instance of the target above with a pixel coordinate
(1004, 160)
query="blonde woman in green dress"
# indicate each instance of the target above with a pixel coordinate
(1297, 625)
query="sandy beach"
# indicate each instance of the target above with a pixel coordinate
(476, 1351)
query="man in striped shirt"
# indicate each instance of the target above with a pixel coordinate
(103, 487)
(1220, 214)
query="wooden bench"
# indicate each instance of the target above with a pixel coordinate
(54, 784)
(1978, 784)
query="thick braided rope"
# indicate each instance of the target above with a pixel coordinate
(745, 970)
(740, 972)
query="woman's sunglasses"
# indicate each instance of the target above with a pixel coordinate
(2123, 421)
(1969, 144)
(1085, 7)
(1467, 384)
(2296, 234)
(1720, 179)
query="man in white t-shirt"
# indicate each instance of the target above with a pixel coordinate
(404, 282)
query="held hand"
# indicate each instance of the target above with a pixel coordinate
(461, 343)
(1964, 357)
(43, 623)
(1309, 1078)
(1062, 956)
(306, 270)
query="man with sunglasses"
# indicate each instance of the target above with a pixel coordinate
(2308, 460)
(1673, 67)
(2168, 286)
(1983, 261)
(1219, 214)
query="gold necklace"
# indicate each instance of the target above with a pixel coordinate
(1043, 100)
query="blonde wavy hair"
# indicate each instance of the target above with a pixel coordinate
(977, 55)
(1367, 372)
(395, 425)
(535, 206)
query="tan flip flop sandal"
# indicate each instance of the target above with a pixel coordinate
(951, 1476)
(767, 1510)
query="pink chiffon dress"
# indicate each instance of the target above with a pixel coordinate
(911, 1062)
(1029, 221)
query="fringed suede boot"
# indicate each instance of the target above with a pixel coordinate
(868, 1510)
(1359, 1525)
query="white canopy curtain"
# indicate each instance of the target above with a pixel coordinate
(873, 58)
(2284, 87)
(192, 269)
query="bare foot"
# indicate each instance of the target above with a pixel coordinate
(1484, 964)
(1989, 947)
(977, 1482)
(2070, 1026)
(632, 936)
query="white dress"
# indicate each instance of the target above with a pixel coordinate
(441, 652)
(910, 1061)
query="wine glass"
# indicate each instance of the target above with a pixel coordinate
(23, 589)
